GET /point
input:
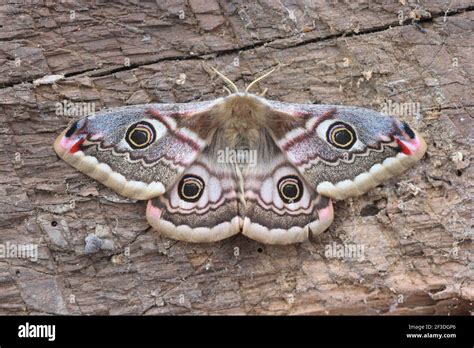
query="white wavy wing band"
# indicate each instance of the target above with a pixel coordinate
(374, 176)
(104, 174)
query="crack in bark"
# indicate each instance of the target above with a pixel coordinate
(219, 53)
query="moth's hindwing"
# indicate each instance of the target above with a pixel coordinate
(279, 207)
(202, 206)
(138, 151)
(344, 151)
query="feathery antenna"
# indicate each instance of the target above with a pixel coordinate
(260, 78)
(232, 85)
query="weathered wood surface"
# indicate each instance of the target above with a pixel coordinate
(415, 230)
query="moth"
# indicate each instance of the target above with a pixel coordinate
(306, 155)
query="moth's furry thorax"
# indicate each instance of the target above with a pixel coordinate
(242, 116)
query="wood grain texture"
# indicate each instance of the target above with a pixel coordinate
(416, 230)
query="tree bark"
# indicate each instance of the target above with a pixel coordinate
(415, 230)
